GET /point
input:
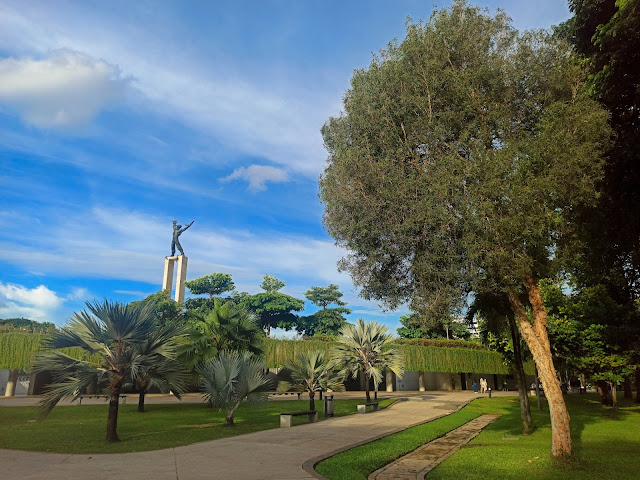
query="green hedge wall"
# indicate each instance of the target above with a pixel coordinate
(17, 351)
(469, 359)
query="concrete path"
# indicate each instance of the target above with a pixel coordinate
(280, 453)
(416, 465)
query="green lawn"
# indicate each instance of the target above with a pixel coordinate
(606, 445)
(82, 429)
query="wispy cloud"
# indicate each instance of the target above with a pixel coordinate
(64, 90)
(273, 119)
(257, 176)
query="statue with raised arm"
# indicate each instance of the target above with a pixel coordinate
(177, 231)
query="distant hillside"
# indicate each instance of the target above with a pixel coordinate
(25, 325)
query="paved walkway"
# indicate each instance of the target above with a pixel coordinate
(416, 465)
(280, 453)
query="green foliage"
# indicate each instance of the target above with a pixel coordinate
(165, 310)
(325, 296)
(456, 360)
(226, 327)
(419, 326)
(441, 343)
(213, 284)
(274, 309)
(367, 347)
(277, 352)
(17, 350)
(584, 337)
(459, 159)
(271, 284)
(232, 377)
(313, 371)
(418, 355)
(25, 325)
(605, 33)
(328, 321)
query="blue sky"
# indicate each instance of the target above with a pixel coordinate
(118, 117)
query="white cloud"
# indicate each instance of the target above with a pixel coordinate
(79, 293)
(66, 89)
(275, 116)
(37, 303)
(257, 176)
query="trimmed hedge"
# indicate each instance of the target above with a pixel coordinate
(17, 351)
(469, 359)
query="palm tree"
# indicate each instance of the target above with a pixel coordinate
(366, 347)
(117, 341)
(152, 370)
(226, 327)
(231, 377)
(312, 372)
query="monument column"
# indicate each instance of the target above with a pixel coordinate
(181, 277)
(167, 283)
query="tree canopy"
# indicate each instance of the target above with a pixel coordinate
(327, 321)
(274, 309)
(456, 166)
(213, 284)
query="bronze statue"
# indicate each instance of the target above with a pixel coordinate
(177, 231)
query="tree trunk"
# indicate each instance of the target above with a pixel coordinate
(535, 335)
(366, 387)
(141, 402)
(605, 394)
(538, 391)
(525, 409)
(312, 402)
(112, 419)
(229, 418)
(614, 395)
(638, 385)
(628, 394)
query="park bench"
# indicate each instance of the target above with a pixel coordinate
(362, 408)
(98, 395)
(287, 418)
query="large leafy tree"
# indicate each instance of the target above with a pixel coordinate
(313, 372)
(459, 160)
(606, 34)
(165, 310)
(415, 325)
(274, 308)
(121, 342)
(232, 377)
(213, 284)
(584, 339)
(327, 320)
(366, 348)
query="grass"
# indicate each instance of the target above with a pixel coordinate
(606, 442)
(82, 429)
